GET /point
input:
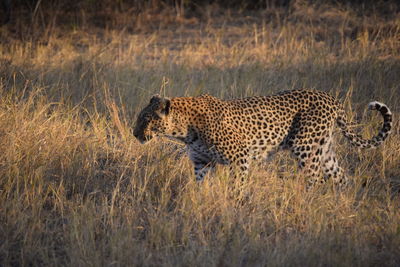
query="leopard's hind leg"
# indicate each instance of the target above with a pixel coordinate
(307, 140)
(330, 164)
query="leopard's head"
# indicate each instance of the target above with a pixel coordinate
(153, 119)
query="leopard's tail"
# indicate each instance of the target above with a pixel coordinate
(377, 140)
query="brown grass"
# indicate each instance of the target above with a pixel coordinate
(77, 189)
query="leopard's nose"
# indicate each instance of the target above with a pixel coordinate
(136, 135)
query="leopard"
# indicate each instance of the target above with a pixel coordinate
(235, 132)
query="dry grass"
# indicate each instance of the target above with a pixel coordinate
(77, 189)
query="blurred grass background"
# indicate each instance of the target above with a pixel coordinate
(77, 189)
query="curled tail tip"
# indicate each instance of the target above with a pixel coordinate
(375, 105)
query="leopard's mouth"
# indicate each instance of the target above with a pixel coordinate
(143, 139)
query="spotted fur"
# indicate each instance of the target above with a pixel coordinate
(236, 131)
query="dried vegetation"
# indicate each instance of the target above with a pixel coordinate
(77, 189)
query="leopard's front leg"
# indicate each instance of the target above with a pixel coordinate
(202, 161)
(201, 169)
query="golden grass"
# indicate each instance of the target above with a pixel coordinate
(77, 189)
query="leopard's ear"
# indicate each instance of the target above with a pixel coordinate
(161, 105)
(155, 99)
(165, 105)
